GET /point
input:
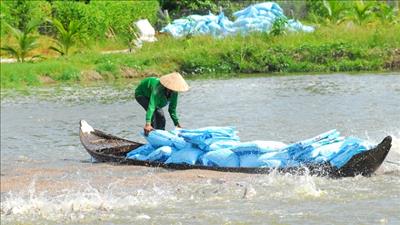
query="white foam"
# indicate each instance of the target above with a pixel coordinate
(308, 188)
(396, 144)
(79, 205)
(143, 217)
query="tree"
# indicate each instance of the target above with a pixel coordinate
(385, 12)
(26, 42)
(21, 11)
(335, 10)
(66, 37)
(130, 37)
(360, 12)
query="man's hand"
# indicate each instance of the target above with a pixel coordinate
(147, 129)
(178, 126)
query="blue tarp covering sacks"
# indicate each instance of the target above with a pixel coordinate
(220, 146)
(259, 17)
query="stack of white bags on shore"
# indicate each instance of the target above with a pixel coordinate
(221, 147)
(255, 18)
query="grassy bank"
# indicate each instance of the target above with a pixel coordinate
(343, 48)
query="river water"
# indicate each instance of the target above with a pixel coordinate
(47, 177)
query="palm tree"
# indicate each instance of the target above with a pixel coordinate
(67, 36)
(386, 12)
(26, 42)
(335, 10)
(361, 11)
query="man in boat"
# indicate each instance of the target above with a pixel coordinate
(154, 93)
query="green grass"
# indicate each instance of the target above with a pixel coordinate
(344, 48)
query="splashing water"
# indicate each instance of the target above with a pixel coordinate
(392, 161)
(46, 178)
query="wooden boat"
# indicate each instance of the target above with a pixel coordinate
(108, 148)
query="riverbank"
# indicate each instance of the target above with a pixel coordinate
(339, 48)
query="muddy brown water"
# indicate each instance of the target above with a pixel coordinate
(47, 177)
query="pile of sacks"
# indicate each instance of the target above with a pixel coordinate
(255, 18)
(221, 147)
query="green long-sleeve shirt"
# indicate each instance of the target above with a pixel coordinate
(152, 89)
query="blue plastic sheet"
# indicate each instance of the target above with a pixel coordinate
(254, 18)
(220, 146)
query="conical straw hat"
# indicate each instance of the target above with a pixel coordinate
(174, 81)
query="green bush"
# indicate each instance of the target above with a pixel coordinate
(18, 13)
(98, 17)
(5, 18)
(105, 17)
(69, 74)
(15, 78)
(93, 23)
(107, 66)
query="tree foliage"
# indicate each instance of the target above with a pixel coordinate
(99, 19)
(386, 13)
(67, 36)
(26, 41)
(356, 11)
(18, 13)
(360, 11)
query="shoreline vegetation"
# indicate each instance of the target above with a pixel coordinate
(348, 46)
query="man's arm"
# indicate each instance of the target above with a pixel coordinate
(172, 108)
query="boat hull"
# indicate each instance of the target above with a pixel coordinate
(111, 149)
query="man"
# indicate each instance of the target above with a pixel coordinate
(153, 94)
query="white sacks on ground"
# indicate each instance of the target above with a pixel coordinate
(220, 146)
(145, 31)
(254, 18)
